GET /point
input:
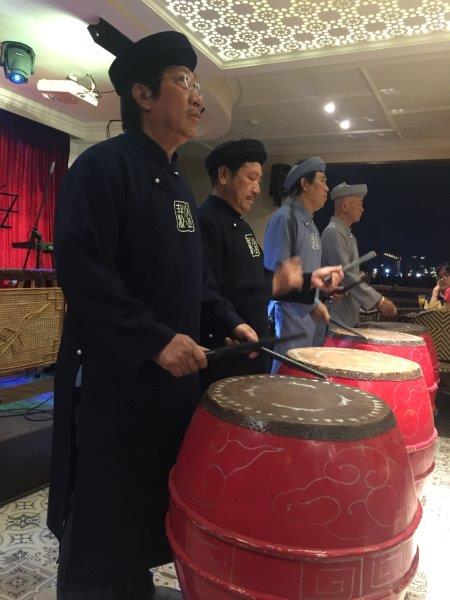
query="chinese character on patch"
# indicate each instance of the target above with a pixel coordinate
(252, 245)
(183, 216)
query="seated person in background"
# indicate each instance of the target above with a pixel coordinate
(440, 298)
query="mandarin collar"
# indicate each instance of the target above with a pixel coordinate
(298, 206)
(151, 149)
(220, 203)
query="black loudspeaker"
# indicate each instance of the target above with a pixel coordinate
(277, 176)
(109, 38)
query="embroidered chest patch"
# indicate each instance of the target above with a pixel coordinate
(252, 245)
(183, 216)
(315, 241)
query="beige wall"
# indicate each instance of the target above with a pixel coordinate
(195, 172)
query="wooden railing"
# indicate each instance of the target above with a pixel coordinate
(405, 298)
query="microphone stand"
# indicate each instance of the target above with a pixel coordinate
(35, 239)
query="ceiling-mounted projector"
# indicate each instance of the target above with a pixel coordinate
(71, 85)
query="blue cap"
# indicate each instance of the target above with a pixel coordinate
(315, 163)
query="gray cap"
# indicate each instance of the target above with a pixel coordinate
(344, 189)
(315, 163)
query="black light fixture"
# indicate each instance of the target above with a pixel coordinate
(17, 60)
(109, 38)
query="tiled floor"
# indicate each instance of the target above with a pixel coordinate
(28, 550)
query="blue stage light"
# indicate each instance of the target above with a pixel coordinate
(17, 60)
(17, 78)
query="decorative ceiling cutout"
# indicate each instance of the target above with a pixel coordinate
(250, 29)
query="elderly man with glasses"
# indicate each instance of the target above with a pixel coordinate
(129, 260)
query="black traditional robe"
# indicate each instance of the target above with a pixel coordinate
(237, 265)
(129, 260)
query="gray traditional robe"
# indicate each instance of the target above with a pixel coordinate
(339, 247)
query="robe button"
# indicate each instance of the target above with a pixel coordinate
(157, 180)
(175, 173)
(234, 224)
(79, 352)
(210, 335)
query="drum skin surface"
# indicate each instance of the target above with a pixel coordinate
(395, 343)
(289, 489)
(397, 381)
(420, 331)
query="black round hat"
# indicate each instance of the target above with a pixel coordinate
(228, 153)
(152, 52)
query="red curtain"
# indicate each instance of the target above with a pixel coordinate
(27, 151)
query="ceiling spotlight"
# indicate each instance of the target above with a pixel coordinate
(329, 108)
(345, 124)
(389, 91)
(17, 60)
(72, 86)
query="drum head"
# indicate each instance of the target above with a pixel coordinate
(411, 328)
(380, 337)
(357, 364)
(293, 407)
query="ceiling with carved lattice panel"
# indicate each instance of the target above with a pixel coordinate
(239, 30)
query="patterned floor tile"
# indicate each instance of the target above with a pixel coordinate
(28, 550)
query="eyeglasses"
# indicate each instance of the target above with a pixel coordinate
(185, 82)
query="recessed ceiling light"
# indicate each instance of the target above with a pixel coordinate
(329, 108)
(345, 124)
(396, 111)
(368, 119)
(389, 91)
(252, 122)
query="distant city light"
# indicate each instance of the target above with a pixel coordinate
(375, 271)
(387, 271)
(418, 274)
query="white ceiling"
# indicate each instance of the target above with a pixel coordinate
(386, 65)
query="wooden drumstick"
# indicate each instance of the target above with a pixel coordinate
(247, 347)
(349, 329)
(351, 285)
(359, 261)
(291, 362)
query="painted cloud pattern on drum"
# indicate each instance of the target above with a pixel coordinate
(365, 476)
(232, 456)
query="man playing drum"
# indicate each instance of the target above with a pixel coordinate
(236, 259)
(291, 232)
(339, 244)
(129, 260)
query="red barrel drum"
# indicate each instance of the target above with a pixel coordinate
(397, 381)
(396, 343)
(292, 489)
(420, 331)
